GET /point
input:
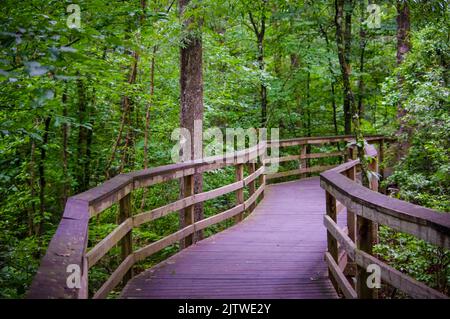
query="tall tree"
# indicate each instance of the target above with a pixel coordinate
(258, 24)
(191, 95)
(347, 45)
(362, 51)
(403, 47)
(348, 92)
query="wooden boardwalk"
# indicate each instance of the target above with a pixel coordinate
(276, 252)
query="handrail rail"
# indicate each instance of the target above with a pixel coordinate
(323, 139)
(372, 207)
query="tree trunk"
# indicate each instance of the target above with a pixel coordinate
(82, 135)
(65, 151)
(346, 33)
(191, 99)
(127, 154)
(362, 49)
(348, 93)
(260, 32)
(332, 85)
(403, 47)
(334, 106)
(147, 118)
(87, 161)
(32, 212)
(42, 178)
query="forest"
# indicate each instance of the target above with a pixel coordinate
(91, 89)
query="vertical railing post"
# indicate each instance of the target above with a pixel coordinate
(188, 187)
(261, 181)
(351, 153)
(303, 160)
(350, 269)
(239, 192)
(351, 217)
(364, 243)
(331, 241)
(251, 185)
(374, 167)
(381, 157)
(126, 244)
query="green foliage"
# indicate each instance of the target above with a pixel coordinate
(65, 128)
(423, 177)
(416, 258)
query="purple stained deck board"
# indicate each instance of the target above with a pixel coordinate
(276, 252)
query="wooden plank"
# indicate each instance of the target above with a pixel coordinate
(115, 278)
(312, 169)
(162, 211)
(340, 278)
(337, 233)
(163, 243)
(236, 186)
(302, 156)
(166, 176)
(397, 279)
(219, 217)
(99, 250)
(320, 140)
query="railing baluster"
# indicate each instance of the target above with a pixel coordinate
(251, 186)
(189, 210)
(304, 161)
(330, 202)
(126, 243)
(351, 217)
(381, 157)
(261, 181)
(364, 243)
(374, 167)
(239, 192)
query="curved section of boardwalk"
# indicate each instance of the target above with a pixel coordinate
(276, 252)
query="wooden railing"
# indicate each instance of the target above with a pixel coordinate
(69, 246)
(303, 157)
(351, 246)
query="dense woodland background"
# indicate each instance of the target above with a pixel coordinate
(78, 106)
